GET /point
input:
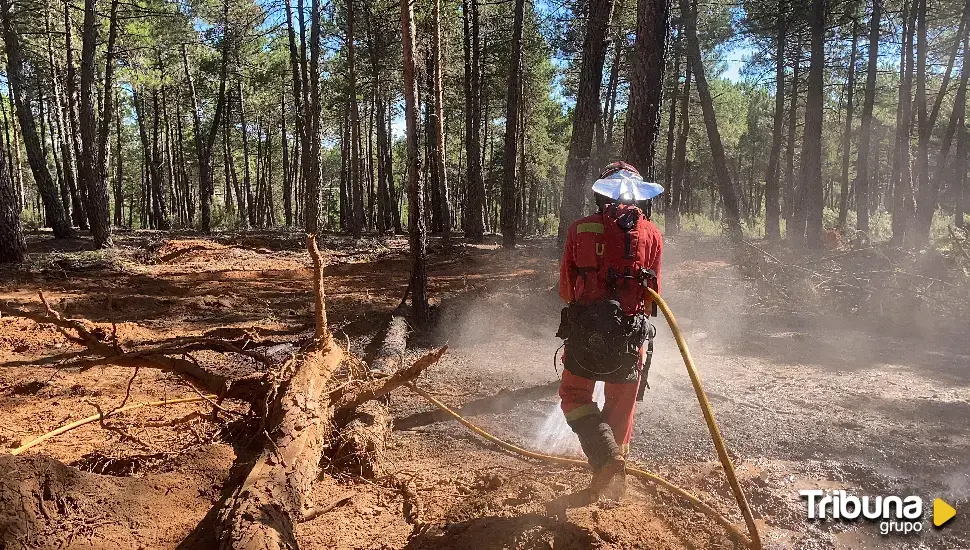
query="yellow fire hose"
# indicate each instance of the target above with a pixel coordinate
(752, 540)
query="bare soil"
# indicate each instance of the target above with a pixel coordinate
(805, 398)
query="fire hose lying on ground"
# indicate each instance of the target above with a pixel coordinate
(752, 540)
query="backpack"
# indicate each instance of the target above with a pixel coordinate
(606, 326)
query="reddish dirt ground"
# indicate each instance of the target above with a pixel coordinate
(804, 400)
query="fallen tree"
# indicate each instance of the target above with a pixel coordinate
(304, 410)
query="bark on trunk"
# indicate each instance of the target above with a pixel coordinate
(865, 130)
(475, 194)
(419, 270)
(929, 196)
(772, 207)
(512, 99)
(811, 172)
(904, 206)
(444, 203)
(13, 248)
(93, 177)
(646, 74)
(847, 132)
(355, 170)
(677, 183)
(585, 114)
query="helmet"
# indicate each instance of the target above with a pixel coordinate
(615, 167)
(621, 182)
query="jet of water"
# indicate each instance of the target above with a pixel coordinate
(556, 437)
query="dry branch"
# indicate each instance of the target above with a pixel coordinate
(379, 388)
(322, 333)
(165, 357)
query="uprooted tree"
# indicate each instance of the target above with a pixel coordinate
(301, 414)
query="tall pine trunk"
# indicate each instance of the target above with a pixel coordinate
(419, 268)
(904, 205)
(576, 186)
(513, 99)
(847, 132)
(475, 194)
(672, 216)
(444, 206)
(865, 130)
(92, 177)
(646, 75)
(790, 194)
(355, 170)
(924, 208)
(772, 206)
(811, 171)
(732, 214)
(13, 248)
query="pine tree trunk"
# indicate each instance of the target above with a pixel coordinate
(865, 130)
(53, 209)
(772, 207)
(732, 214)
(119, 168)
(475, 202)
(444, 205)
(605, 152)
(67, 171)
(960, 173)
(930, 195)
(904, 206)
(792, 204)
(924, 208)
(811, 172)
(311, 146)
(677, 182)
(13, 248)
(512, 99)
(847, 132)
(355, 171)
(944, 172)
(92, 178)
(419, 270)
(646, 75)
(287, 169)
(671, 128)
(576, 183)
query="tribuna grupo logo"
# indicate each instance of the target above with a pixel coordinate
(895, 514)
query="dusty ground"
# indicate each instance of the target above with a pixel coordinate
(805, 399)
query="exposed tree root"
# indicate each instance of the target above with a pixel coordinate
(361, 445)
(302, 415)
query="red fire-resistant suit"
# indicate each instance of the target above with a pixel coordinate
(584, 251)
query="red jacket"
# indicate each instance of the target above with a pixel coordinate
(582, 259)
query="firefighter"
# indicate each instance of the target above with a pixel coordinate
(609, 257)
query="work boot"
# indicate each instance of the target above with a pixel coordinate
(604, 455)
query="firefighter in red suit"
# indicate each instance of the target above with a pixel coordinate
(609, 257)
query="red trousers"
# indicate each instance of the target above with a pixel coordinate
(576, 393)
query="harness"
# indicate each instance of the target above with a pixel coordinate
(605, 327)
